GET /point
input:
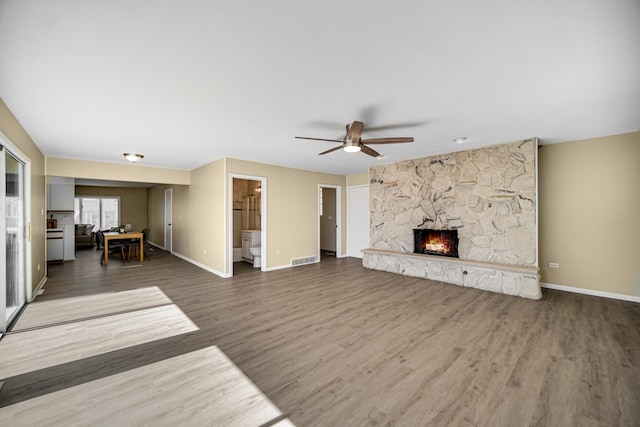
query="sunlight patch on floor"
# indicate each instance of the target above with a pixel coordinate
(202, 387)
(46, 313)
(68, 342)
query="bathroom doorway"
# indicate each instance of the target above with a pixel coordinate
(247, 224)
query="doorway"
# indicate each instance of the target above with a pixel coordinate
(247, 234)
(329, 220)
(14, 233)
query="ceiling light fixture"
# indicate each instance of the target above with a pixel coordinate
(461, 140)
(350, 146)
(132, 157)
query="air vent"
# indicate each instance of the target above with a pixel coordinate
(304, 260)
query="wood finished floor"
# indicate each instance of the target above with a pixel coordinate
(331, 344)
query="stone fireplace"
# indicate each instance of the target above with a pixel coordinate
(435, 242)
(488, 196)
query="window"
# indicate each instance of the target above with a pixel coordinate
(101, 211)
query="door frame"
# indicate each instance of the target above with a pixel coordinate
(338, 189)
(263, 220)
(7, 145)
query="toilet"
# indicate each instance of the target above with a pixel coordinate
(256, 252)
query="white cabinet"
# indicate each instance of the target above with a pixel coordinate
(61, 193)
(55, 244)
(250, 239)
(61, 197)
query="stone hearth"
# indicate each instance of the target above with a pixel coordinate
(506, 279)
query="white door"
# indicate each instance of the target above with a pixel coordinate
(167, 220)
(13, 237)
(357, 220)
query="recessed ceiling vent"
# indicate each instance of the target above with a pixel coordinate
(304, 260)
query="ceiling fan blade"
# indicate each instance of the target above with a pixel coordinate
(354, 131)
(330, 150)
(386, 140)
(318, 139)
(397, 126)
(370, 151)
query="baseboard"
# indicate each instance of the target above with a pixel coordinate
(592, 292)
(202, 266)
(279, 267)
(156, 245)
(38, 289)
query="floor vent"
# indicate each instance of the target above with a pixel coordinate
(304, 260)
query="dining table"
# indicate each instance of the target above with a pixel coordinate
(129, 235)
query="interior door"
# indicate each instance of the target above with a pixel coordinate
(13, 241)
(167, 220)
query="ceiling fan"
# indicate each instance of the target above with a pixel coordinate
(352, 142)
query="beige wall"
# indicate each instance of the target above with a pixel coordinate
(180, 219)
(198, 228)
(589, 194)
(114, 171)
(206, 221)
(292, 209)
(10, 126)
(358, 179)
(133, 202)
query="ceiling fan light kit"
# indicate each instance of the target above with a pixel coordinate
(352, 142)
(351, 147)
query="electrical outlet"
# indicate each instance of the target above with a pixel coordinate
(554, 265)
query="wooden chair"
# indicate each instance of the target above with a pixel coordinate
(145, 242)
(135, 245)
(113, 247)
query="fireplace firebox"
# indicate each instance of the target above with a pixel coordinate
(435, 242)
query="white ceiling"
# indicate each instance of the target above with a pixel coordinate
(186, 82)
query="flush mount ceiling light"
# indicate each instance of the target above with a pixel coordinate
(461, 140)
(132, 157)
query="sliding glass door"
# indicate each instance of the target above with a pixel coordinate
(13, 240)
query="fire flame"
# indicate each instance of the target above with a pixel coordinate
(436, 245)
